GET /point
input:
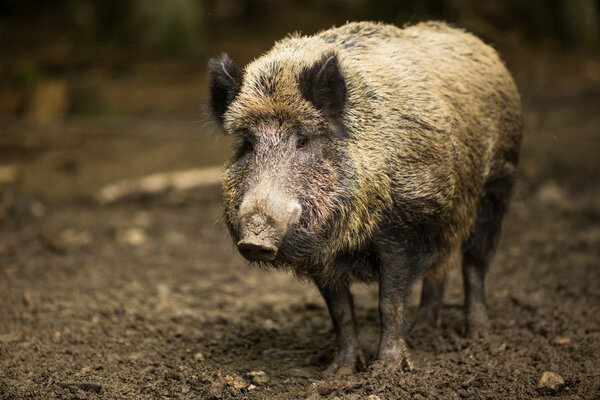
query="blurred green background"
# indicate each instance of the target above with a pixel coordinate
(93, 91)
(57, 56)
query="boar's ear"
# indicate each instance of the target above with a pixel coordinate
(225, 82)
(323, 85)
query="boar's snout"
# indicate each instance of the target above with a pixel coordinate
(263, 223)
(254, 249)
(259, 238)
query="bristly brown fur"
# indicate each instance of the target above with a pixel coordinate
(431, 115)
(414, 138)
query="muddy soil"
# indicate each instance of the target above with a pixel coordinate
(148, 299)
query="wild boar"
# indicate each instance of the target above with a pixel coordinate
(373, 153)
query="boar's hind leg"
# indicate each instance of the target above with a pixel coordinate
(429, 312)
(394, 281)
(478, 251)
(339, 302)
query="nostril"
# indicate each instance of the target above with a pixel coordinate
(256, 250)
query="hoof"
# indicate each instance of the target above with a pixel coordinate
(393, 357)
(476, 322)
(344, 365)
(380, 367)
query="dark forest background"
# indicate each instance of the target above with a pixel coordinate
(56, 55)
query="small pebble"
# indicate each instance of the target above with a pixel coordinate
(235, 381)
(550, 382)
(132, 236)
(269, 325)
(258, 377)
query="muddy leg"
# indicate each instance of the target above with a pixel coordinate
(393, 352)
(479, 248)
(349, 357)
(476, 319)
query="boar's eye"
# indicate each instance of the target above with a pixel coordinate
(301, 142)
(248, 146)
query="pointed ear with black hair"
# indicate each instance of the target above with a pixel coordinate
(225, 83)
(323, 85)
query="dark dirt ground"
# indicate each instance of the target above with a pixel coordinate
(147, 298)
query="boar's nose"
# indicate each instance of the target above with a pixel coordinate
(258, 239)
(264, 219)
(255, 249)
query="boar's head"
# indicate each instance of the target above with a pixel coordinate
(287, 180)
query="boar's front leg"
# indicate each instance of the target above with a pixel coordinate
(394, 281)
(339, 302)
